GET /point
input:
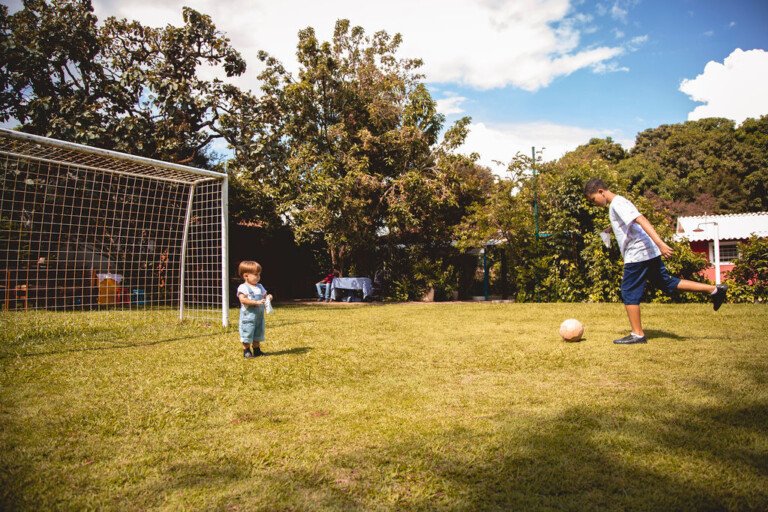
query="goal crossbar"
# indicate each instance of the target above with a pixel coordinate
(44, 148)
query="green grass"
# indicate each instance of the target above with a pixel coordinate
(396, 407)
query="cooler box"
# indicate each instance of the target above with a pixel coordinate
(108, 287)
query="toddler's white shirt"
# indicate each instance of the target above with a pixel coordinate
(256, 292)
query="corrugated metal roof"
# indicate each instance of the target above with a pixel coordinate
(737, 226)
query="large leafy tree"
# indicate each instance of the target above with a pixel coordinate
(699, 166)
(117, 85)
(354, 147)
(425, 207)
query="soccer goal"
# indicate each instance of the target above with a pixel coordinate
(86, 229)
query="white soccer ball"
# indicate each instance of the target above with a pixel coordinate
(571, 330)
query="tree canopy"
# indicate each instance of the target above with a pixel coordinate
(350, 153)
(356, 148)
(116, 85)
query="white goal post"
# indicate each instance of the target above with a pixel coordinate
(83, 228)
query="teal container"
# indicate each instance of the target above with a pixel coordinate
(137, 297)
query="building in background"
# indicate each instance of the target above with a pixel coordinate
(704, 231)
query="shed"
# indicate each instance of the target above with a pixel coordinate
(703, 231)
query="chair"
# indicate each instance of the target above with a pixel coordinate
(378, 284)
(19, 293)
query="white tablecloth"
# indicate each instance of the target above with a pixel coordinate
(352, 283)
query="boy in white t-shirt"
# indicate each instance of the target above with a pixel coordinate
(642, 249)
(252, 297)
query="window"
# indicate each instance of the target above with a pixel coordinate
(728, 252)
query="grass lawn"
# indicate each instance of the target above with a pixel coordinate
(393, 407)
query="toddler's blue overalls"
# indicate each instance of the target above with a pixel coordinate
(252, 318)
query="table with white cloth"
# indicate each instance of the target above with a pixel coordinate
(351, 283)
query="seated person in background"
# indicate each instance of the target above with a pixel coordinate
(324, 286)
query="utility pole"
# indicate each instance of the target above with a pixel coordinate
(535, 223)
(486, 284)
(535, 194)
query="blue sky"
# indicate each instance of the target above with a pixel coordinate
(549, 73)
(675, 41)
(682, 37)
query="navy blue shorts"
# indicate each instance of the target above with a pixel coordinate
(636, 275)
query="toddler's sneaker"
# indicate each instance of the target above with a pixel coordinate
(257, 352)
(247, 353)
(630, 339)
(719, 296)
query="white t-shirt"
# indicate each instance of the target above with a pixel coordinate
(256, 292)
(634, 242)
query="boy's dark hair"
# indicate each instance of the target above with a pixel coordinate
(248, 267)
(593, 185)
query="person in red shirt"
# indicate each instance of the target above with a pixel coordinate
(324, 286)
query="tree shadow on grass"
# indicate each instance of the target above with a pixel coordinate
(238, 481)
(732, 440)
(629, 458)
(113, 345)
(183, 477)
(565, 465)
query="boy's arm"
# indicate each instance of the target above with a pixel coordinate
(245, 301)
(644, 223)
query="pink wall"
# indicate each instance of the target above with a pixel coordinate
(702, 248)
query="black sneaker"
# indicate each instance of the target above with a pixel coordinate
(247, 353)
(719, 296)
(630, 339)
(257, 352)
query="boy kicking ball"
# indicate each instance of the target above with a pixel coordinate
(642, 249)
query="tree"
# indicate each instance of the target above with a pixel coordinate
(118, 85)
(356, 147)
(690, 164)
(753, 153)
(424, 210)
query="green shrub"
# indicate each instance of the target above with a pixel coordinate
(749, 276)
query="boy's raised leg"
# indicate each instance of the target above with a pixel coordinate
(717, 293)
(692, 286)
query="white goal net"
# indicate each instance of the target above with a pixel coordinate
(85, 229)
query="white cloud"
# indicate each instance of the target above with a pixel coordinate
(503, 141)
(732, 24)
(609, 67)
(451, 105)
(734, 89)
(618, 13)
(480, 43)
(709, 33)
